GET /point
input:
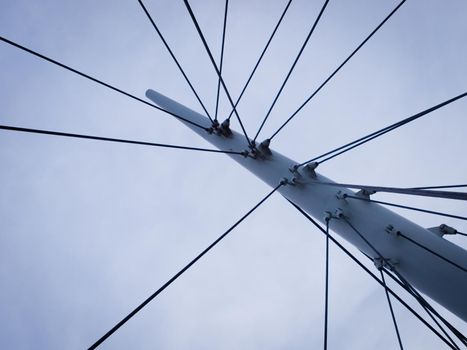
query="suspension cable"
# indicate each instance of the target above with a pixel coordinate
(100, 82)
(337, 69)
(292, 68)
(326, 288)
(100, 138)
(438, 187)
(213, 62)
(391, 309)
(406, 207)
(178, 274)
(351, 145)
(174, 58)
(359, 263)
(222, 58)
(260, 58)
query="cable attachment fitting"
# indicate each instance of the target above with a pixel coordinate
(264, 147)
(443, 229)
(365, 193)
(392, 231)
(380, 263)
(285, 181)
(224, 128)
(310, 169)
(341, 195)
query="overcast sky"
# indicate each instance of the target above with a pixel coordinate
(89, 229)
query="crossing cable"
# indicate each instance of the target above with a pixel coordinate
(426, 306)
(337, 69)
(292, 67)
(260, 58)
(213, 62)
(174, 58)
(222, 58)
(178, 274)
(391, 309)
(408, 191)
(362, 140)
(100, 82)
(100, 138)
(326, 288)
(359, 263)
(406, 207)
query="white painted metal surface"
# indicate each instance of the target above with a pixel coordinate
(434, 277)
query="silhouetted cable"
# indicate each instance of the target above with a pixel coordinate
(349, 254)
(432, 252)
(337, 69)
(438, 187)
(48, 59)
(100, 138)
(407, 207)
(292, 68)
(213, 62)
(326, 288)
(392, 311)
(222, 57)
(461, 233)
(260, 58)
(178, 274)
(174, 58)
(351, 145)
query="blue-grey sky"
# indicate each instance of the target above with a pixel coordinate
(89, 229)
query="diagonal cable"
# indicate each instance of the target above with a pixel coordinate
(337, 69)
(326, 288)
(178, 274)
(438, 187)
(392, 311)
(174, 58)
(213, 62)
(100, 82)
(407, 207)
(260, 58)
(351, 145)
(222, 58)
(292, 68)
(109, 139)
(359, 263)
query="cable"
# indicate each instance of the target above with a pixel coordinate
(437, 187)
(432, 252)
(292, 68)
(198, 29)
(175, 59)
(326, 288)
(359, 263)
(48, 59)
(406, 207)
(222, 57)
(260, 58)
(408, 191)
(100, 138)
(373, 135)
(337, 69)
(392, 311)
(178, 274)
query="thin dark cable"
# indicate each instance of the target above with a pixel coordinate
(382, 131)
(437, 187)
(427, 307)
(461, 233)
(292, 68)
(407, 191)
(100, 138)
(350, 255)
(260, 58)
(392, 311)
(432, 252)
(206, 46)
(12, 43)
(222, 57)
(178, 274)
(174, 58)
(364, 239)
(326, 288)
(337, 69)
(407, 207)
